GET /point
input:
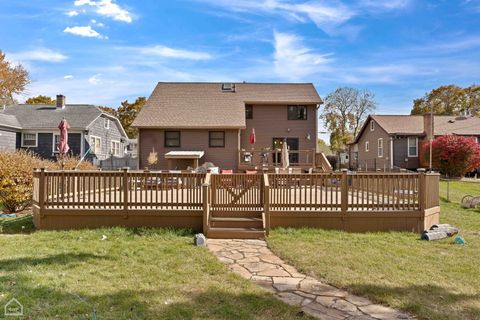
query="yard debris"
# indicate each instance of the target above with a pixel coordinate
(439, 231)
(459, 240)
(469, 201)
(200, 240)
(104, 237)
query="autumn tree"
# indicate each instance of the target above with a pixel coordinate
(449, 100)
(40, 100)
(109, 110)
(454, 155)
(344, 113)
(127, 112)
(13, 80)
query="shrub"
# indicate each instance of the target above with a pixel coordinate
(454, 155)
(16, 177)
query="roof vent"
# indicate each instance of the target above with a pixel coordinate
(451, 121)
(228, 87)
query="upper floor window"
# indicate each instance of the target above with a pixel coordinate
(367, 146)
(372, 125)
(106, 123)
(172, 139)
(297, 112)
(380, 148)
(29, 139)
(412, 146)
(248, 111)
(216, 139)
(96, 144)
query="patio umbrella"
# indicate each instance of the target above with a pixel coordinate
(285, 159)
(62, 146)
(252, 137)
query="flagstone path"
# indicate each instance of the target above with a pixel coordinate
(252, 260)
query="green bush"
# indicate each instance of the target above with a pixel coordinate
(17, 225)
(16, 177)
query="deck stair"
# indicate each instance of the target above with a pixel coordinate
(241, 225)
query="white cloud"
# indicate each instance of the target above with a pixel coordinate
(295, 61)
(84, 31)
(72, 13)
(385, 4)
(107, 8)
(68, 76)
(95, 79)
(167, 52)
(38, 54)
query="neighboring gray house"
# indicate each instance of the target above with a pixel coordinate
(35, 127)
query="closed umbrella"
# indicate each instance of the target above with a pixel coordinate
(252, 137)
(285, 159)
(62, 146)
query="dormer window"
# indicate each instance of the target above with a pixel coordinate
(372, 125)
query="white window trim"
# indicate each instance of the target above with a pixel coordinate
(36, 140)
(54, 146)
(416, 148)
(119, 147)
(367, 146)
(380, 142)
(106, 123)
(90, 142)
(372, 125)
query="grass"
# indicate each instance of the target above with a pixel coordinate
(133, 274)
(433, 280)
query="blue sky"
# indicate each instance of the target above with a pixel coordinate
(106, 51)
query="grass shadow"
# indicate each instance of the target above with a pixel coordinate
(63, 259)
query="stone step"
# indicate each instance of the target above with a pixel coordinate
(236, 222)
(236, 233)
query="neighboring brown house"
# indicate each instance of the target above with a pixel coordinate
(394, 141)
(188, 124)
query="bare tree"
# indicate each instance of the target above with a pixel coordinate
(344, 113)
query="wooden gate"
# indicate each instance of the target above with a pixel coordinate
(236, 192)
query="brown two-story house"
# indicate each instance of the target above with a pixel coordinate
(395, 141)
(188, 124)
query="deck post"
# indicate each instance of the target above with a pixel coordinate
(344, 193)
(266, 203)
(125, 192)
(206, 204)
(41, 192)
(422, 192)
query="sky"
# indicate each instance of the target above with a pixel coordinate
(105, 51)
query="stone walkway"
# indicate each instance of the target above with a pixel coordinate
(252, 260)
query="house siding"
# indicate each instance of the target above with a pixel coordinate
(45, 144)
(97, 129)
(271, 121)
(7, 140)
(401, 158)
(370, 160)
(190, 140)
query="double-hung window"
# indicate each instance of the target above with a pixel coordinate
(115, 148)
(172, 139)
(297, 112)
(412, 146)
(216, 139)
(367, 146)
(380, 148)
(95, 144)
(29, 139)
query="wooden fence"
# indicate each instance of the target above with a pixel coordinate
(339, 200)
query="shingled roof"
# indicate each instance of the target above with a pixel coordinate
(206, 105)
(9, 121)
(414, 125)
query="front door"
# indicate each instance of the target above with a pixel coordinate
(292, 144)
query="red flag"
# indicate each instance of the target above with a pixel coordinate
(62, 146)
(252, 137)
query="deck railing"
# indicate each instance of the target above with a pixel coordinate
(321, 195)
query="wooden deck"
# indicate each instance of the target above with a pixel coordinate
(241, 205)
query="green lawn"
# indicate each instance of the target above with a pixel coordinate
(434, 280)
(131, 275)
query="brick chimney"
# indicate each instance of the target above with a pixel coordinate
(60, 101)
(429, 125)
